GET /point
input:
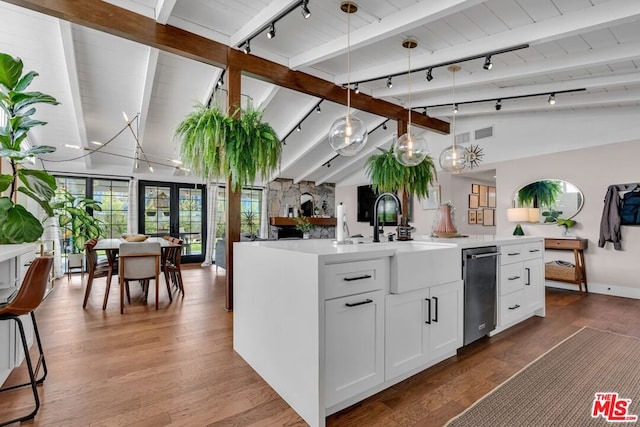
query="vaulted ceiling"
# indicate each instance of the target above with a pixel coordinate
(570, 44)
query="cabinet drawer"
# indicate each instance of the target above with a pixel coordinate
(511, 278)
(511, 307)
(24, 261)
(564, 244)
(511, 253)
(351, 278)
(532, 250)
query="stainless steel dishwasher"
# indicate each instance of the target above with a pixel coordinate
(479, 271)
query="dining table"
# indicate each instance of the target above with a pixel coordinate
(112, 246)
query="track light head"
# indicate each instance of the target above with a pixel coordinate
(328, 164)
(424, 111)
(552, 99)
(356, 88)
(498, 105)
(299, 128)
(455, 108)
(271, 32)
(384, 126)
(220, 82)
(389, 82)
(304, 9)
(247, 47)
(487, 63)
(429, 74)
(318, 110)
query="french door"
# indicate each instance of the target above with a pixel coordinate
(175, 209)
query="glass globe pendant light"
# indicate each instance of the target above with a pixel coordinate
(452, 158)
(348, 134)
(409, 149)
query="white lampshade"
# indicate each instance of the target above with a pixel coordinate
(410, 150)
(518, 214)
(348, 135)
(534, 214)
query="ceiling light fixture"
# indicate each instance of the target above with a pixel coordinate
(247, 47)
(552, 99)
(220, 82)
(96, 142)
(424, 111)
(348, 134)
(304, 8)
(384, 126)
(452, 159)
(429, 74)
(487, 63)
(409, 149)
(318, 109)
(299, 128)
(499, 105)
(271, 32)
(389, 82)
(455, 108)
(77, 147)
(356, 88)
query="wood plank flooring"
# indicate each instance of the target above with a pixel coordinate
(176, 366)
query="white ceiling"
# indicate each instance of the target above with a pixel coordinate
(591, 44)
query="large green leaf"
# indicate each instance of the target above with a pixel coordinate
(20, 226)
(39, 149)
(25, 81)
(43, 203)
(5, 205)
(5, 182)
(40, 182)
(24, 99)
(10, 71)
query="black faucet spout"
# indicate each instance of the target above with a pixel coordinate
(376, 229)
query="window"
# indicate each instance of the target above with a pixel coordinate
(114, 199)
(250, 211)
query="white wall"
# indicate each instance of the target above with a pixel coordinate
(460, 190)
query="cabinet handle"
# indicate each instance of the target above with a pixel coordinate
(513, 253)
(435, 300)
(534, 250)
(528, 276)
(513, 278)
(428, 321)
(355, 304)
(350, 279)
(514, 307)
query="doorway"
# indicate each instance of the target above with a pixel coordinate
(175, 209)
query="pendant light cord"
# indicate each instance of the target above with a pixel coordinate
(348, 64)
(409, 126)
(453, 109)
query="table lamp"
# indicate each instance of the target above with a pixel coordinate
(534, 215)
(518, 215)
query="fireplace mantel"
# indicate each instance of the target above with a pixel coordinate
(283, 221)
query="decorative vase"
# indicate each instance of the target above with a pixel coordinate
(444, 226)
(306, 235)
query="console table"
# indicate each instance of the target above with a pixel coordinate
(578, 274)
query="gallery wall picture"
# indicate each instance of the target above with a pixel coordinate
(475, 188)
(488, 217)
(474, 201)
(483, 193)
(491, 197)
(472, 217)
(479, 217)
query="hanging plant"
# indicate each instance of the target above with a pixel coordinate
(387, 175)
(539, 194)
(213, 144)
(17, 224)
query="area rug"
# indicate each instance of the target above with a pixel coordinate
(590, 373)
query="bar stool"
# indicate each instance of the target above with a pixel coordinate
(26, 301)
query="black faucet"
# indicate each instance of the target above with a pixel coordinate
(376, 231)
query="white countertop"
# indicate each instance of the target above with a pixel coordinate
(12, 251)
(322, 247)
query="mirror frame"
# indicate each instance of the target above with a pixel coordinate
(516, 203)
(305, 208)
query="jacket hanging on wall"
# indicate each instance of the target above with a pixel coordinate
(630, 211)
(612, 213)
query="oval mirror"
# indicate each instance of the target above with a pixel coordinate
(306, 204)
(554, 198)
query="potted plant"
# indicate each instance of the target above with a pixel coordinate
(17, 225)
(539, 193)
(566, 224)
(303, 224)
(387, 175)
(77, 223)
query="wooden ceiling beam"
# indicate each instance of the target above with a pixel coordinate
(111, 19)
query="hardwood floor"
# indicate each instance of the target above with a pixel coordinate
(176, 366)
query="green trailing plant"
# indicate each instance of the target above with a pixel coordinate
(387, 175)
(213, 144)
(17, 224)
(76, 221)
(303, 224)
(566, 223)
(539, 194)
(551, 215)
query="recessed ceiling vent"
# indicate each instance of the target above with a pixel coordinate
(484, 133)
(461, 138)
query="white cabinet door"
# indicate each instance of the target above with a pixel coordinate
(446, 328)
(533, 285)
(354, 355)
(406, 338)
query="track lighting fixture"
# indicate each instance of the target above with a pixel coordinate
(304, 8)
(552, 99)
(318, 110)
(271, 32)
(356, 88)
(299, 128)
(498, 104)
(424, 111)
(384, 126)
(247, 47)
(455, 108)
(429, 75)
(220, 82)
(487, 63)
(389, 82)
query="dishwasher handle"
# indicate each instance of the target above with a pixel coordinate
(485, 255)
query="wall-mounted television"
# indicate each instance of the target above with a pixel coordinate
(387, 212)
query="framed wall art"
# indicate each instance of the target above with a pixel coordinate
(475, 188)
(474, 201)
(491, 197)
(479, 217)
(483, 193)
(472, 217)
(488, 217)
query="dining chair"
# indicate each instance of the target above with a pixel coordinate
(26, 301)
(105, 268)
(171, 266)
(139, 261)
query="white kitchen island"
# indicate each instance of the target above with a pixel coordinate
(328, 325)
